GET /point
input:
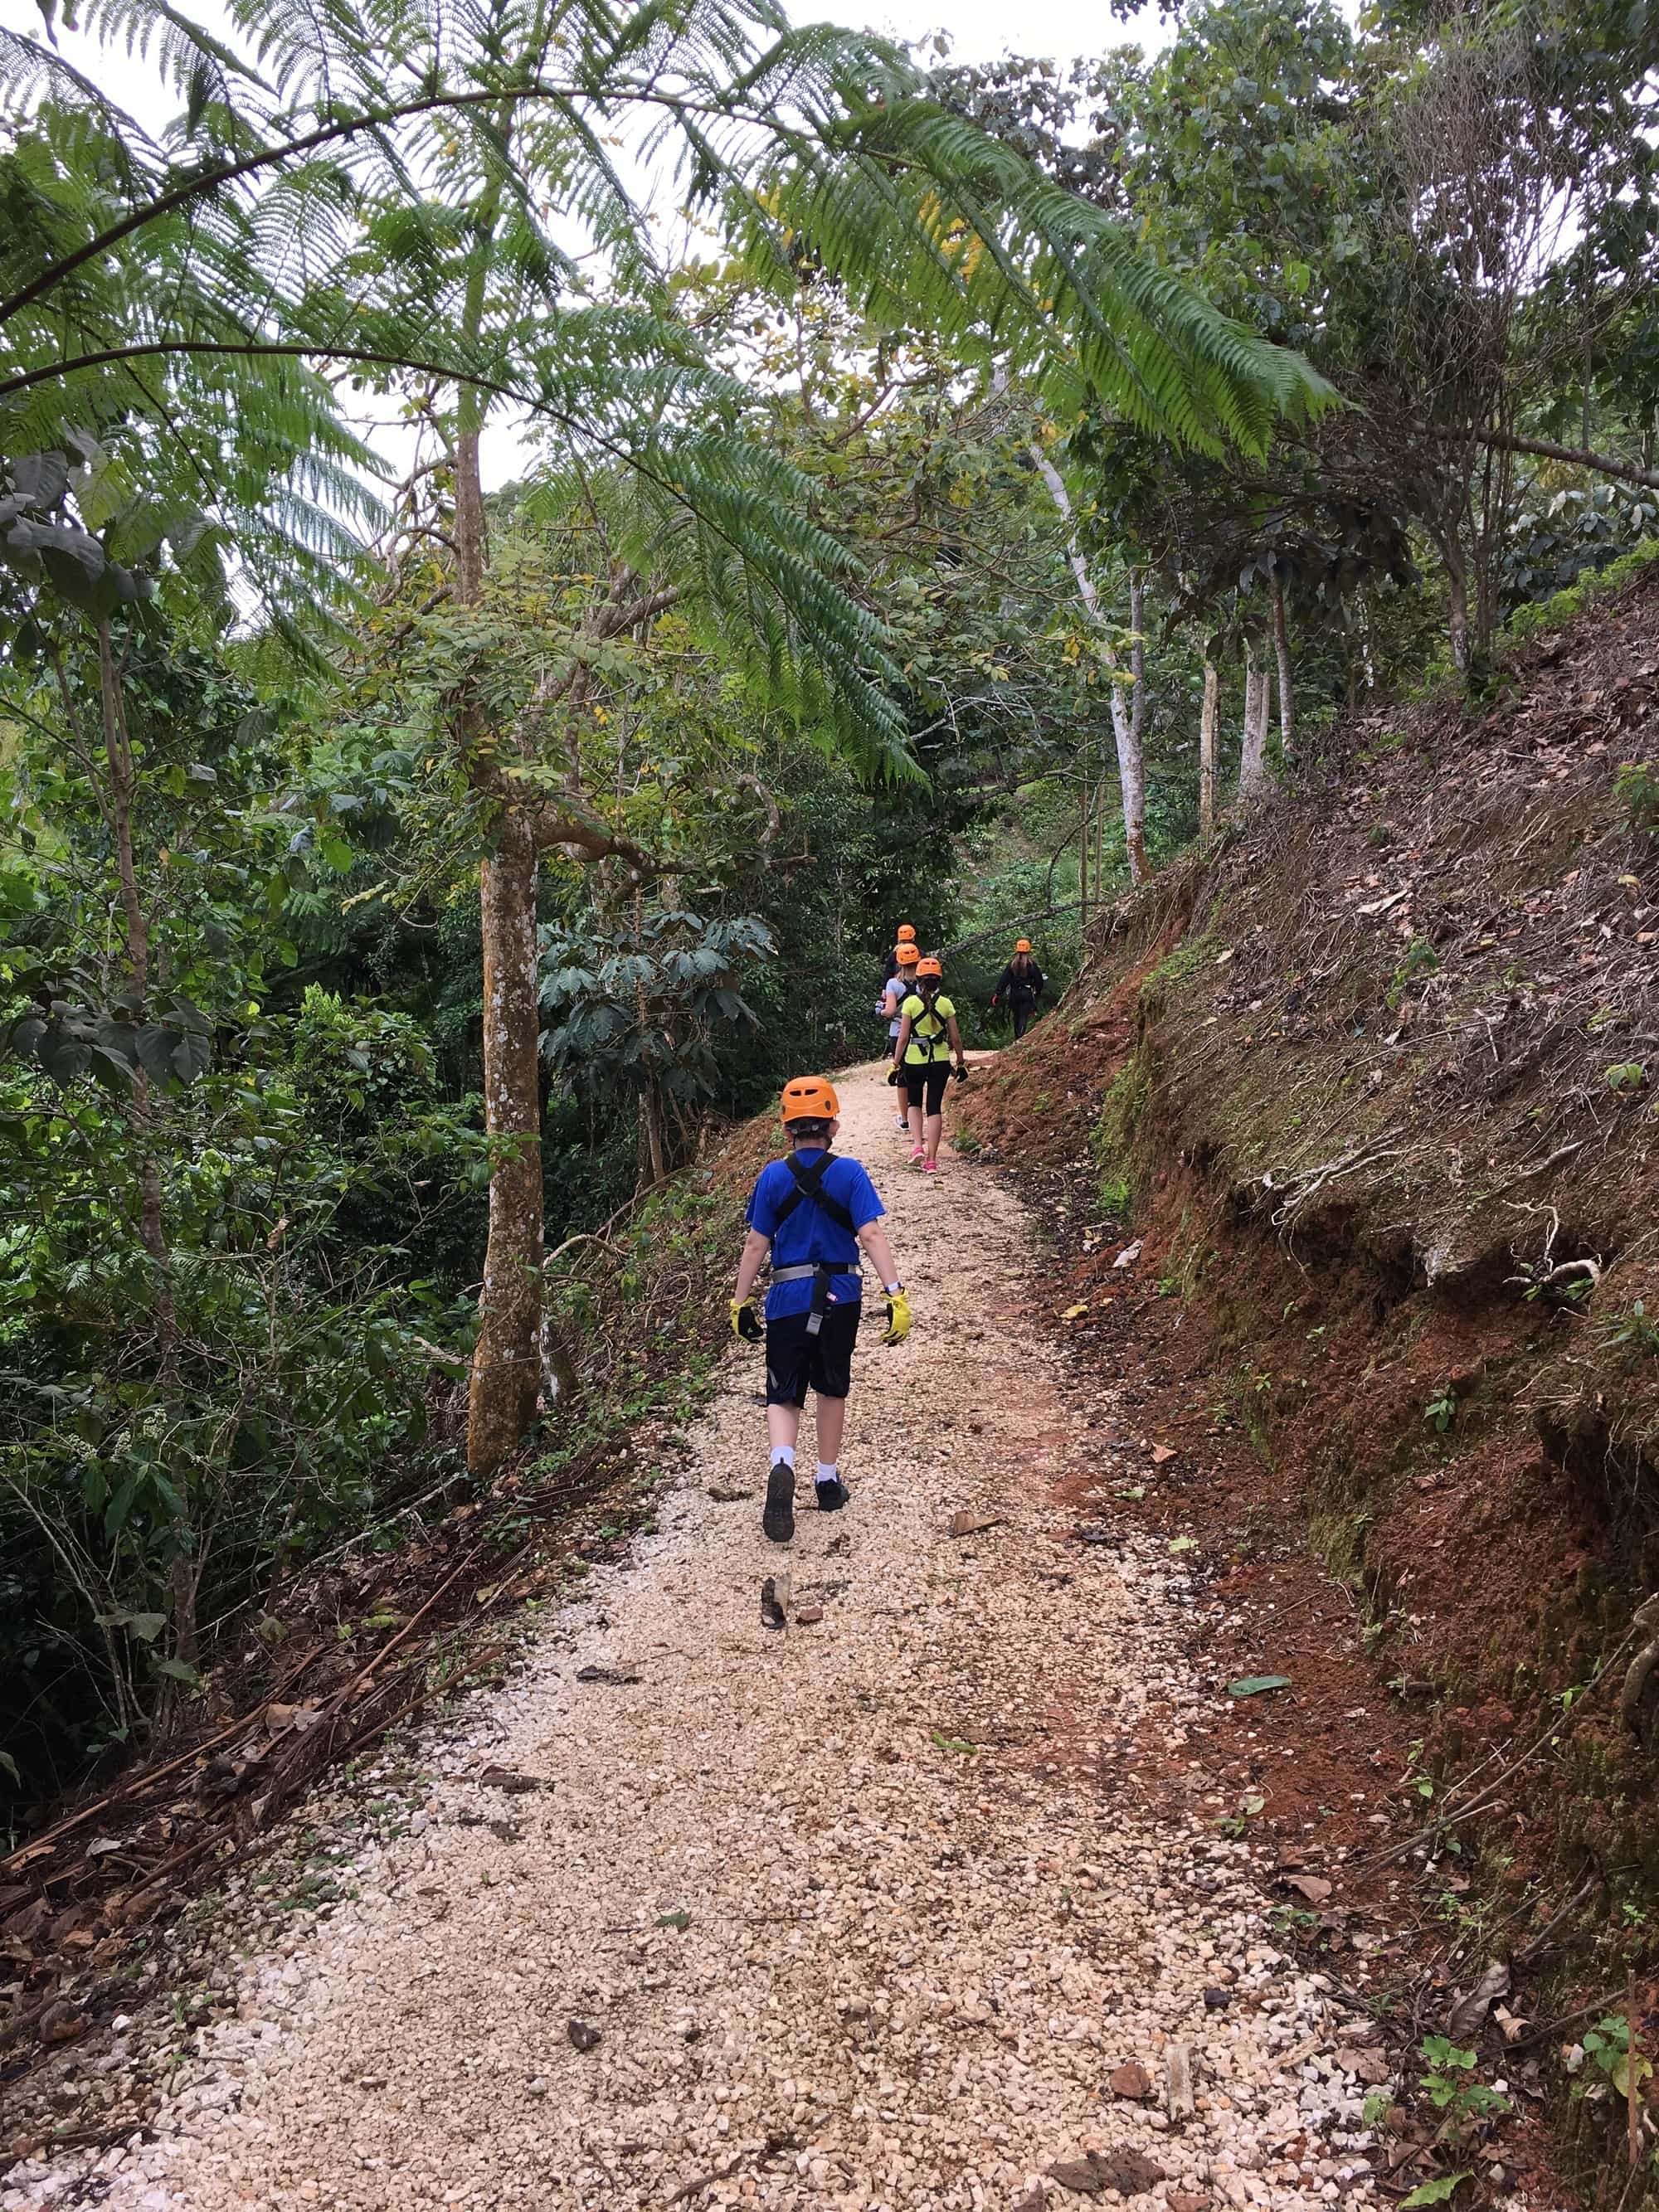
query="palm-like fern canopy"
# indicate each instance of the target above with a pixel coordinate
(311, 212)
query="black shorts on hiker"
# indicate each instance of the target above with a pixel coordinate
(927, 1083)
(797, 1362)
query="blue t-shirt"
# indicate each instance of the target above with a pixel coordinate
(809, 1235)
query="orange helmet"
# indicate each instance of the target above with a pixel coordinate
(907, 935)
(809, 1098)
(1023, 944)
(906, 954)
(928, 968)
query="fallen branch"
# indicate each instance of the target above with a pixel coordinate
(26, 1852)
(1535, 1945)
(1543, 1167)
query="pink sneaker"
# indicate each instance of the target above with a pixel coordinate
(930, 1167)
(917, 1158)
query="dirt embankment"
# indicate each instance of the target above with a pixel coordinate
(1375, 1087)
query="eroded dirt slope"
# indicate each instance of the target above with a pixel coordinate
(864, 1912)
(1373, 1087)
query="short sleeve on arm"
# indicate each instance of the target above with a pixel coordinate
(763, 1207)
(862, 1203)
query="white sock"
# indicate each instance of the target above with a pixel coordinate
(828, 1471)
(785, 1453)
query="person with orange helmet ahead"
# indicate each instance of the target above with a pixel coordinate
(927, 1039)
(899, 986)
(815, 1211)
(1022, 983)
(907, 935)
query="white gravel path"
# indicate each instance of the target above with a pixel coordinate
(930, 1903)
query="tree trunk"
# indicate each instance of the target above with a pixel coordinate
(1126, 724)
(1206, 722)
(1132, 738)
(1457, 604)
(1253, 754)
(507, 1360)
(1086, 802)
(653, 1152)
(1282, 655)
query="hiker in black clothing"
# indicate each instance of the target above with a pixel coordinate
(1021, 983)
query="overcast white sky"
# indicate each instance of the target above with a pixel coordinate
(978, 31)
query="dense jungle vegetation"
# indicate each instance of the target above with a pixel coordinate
(930, 493)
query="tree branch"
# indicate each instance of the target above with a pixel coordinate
(1582, 457)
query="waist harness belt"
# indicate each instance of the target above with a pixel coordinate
(808, 1185)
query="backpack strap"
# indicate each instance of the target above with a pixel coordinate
(809, 1184)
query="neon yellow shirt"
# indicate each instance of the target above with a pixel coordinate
(930, 1035)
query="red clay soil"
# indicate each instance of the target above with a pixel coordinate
(1373, 1087)
(1331, 1762)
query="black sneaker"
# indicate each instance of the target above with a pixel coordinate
(833, 1495)
(779, 1519)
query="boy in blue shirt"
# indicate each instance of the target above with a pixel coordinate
(814, 1213)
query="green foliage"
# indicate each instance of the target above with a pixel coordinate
(1420, 960)
(1440, 2191)
(1441, 1411)
(1581, 530)
(1451, 2087)
(1606, 2048)
(1112, 1138)
(1553, 613)
(1636, 785)
(1633, 1332)
(636, 1011)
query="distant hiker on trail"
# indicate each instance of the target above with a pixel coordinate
(905, 935)
(1021, 983)
(928, 1038)
(814, 1211)
(900, 984)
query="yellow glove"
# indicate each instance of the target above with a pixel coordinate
(898, 1315)
(745, 1322)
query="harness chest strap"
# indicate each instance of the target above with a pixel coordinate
(809, 1184)
(938, 1039)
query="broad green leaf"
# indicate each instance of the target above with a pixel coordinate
(1436, 2192)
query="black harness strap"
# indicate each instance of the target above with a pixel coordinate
(808, 1185)
(940, 1042)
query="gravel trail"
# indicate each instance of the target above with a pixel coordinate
(864, 1913)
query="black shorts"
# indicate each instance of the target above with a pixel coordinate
(797, 1362)
(926, 1084)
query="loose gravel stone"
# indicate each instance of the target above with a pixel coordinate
(864, 1918)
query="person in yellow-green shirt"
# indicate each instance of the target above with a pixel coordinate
(928, 1042)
